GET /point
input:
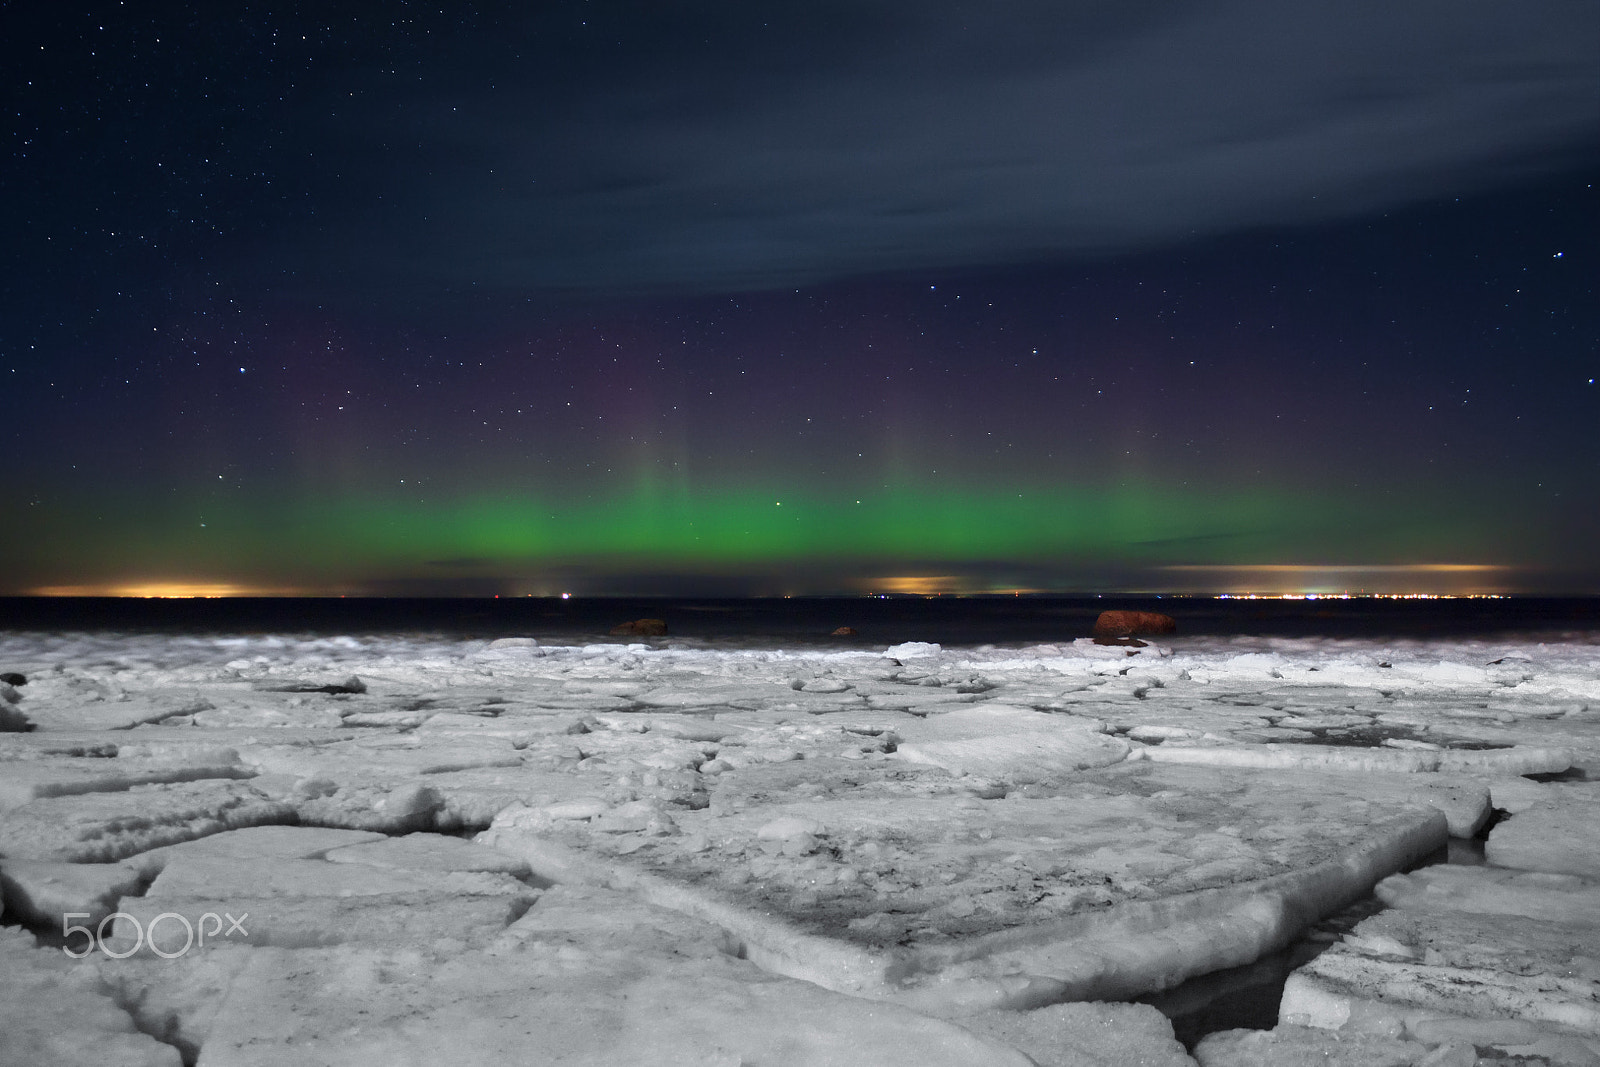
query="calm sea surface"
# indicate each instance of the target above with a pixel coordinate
(809, 621)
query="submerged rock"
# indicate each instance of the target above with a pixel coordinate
(640, 628)
(12, 720)
(350, 685)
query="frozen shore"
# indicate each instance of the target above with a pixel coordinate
(426, 850)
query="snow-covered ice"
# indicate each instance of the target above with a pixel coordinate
(682, 852)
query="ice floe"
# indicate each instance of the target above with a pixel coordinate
(693, 853)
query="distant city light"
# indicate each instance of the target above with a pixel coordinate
(1360, 596)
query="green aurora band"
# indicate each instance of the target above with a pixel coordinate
(830, 539)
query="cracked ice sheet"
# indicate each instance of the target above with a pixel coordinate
(1556, 835)
(299, 886)
(334, 888)
(1468, 956)
(960, 904)
(586, 977)
(55, 776)
(69, 715)
(1000, 739)
(394, 781)
(102, 827)
(1538, 695)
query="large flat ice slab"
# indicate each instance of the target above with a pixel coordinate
(1563, 899)
(389, 919)
(1561, 835)
(224, 877)
(1513, 760)
(1087, 1034)
(261, 843)
(999, 739)
(585, 977)
(1119, 884)
(429, 852)
(291, 886)
(79, 715)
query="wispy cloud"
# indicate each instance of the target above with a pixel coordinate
(898, 136)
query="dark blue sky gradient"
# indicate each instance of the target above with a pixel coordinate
(265, 260)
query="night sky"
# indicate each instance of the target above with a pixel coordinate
(746, 298)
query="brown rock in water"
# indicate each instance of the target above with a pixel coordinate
(844, 631)
(1121, 624)
(640, 628)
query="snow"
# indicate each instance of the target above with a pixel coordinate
(56, 1012)
(696, 853)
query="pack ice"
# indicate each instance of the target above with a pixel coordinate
(380, 850)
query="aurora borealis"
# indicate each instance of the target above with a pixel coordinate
(274, 321)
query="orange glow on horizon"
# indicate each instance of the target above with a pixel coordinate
(166, 590)
(940, 585)
(1335, 580)
(1340, 568)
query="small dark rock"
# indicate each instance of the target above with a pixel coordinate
(13, 678)
(640, 628)
(1129, 642)
(351, 684)
(844, 631)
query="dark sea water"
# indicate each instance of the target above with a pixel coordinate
(808, 621)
